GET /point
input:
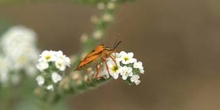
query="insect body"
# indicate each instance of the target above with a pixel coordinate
(98, 56)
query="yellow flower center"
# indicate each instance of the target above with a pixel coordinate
(59, 64)
(47, 57)
(126, 58)
(115, 68)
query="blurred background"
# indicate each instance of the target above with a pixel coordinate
(177, 40)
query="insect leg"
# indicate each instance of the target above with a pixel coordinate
(109, 55)
(97, 71)
(106, 65)
(113, 59)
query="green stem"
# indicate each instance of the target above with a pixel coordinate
(101, 26)
(72, 84)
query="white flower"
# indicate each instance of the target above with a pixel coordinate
(114, 70)
(142, 71)
(18, 46)
(40, 80)
(107, 17)
(117, 57)
(126, 72)
(56, 57)
(101, 6)
(60, 64)
(103, 72)
(94, 19)
(135, 79)
(50, 87)
(56, 77)
(47, 56)
(84, 38)
(18, 34)
(42, 66)
(67, 61)
(97, 34)
(59, 56)
(139, 65)
(18, 39)
(127, 57)
(111, 5)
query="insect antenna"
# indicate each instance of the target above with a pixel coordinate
(116, 44)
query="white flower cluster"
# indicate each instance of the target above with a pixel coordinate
(106, 18)
(18, 53)
(51, 64)
(123, 65)
(110, 5)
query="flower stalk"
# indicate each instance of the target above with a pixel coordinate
(101, 23)
(55, 75)
(74, 82)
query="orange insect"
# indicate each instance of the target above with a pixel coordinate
(98, 56)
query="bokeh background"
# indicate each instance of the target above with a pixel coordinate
(177, 40)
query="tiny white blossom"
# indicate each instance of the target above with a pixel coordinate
(97, 34)
(60, 64)
(67, 61)
(40, 80)
(84, 38)
(107, 17)
(135, 79)
(111, 5)
(117, 57)
(50, 87)
(47, 56)
(142, 71)
(101, 6)
(94, 19)
(42, 66)
(127, 57)
(126, 72)
(114, 70)
(60, 56)
(139, 65)
(56, 77)
(103, 72)
(111, 61)
(57, 54)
